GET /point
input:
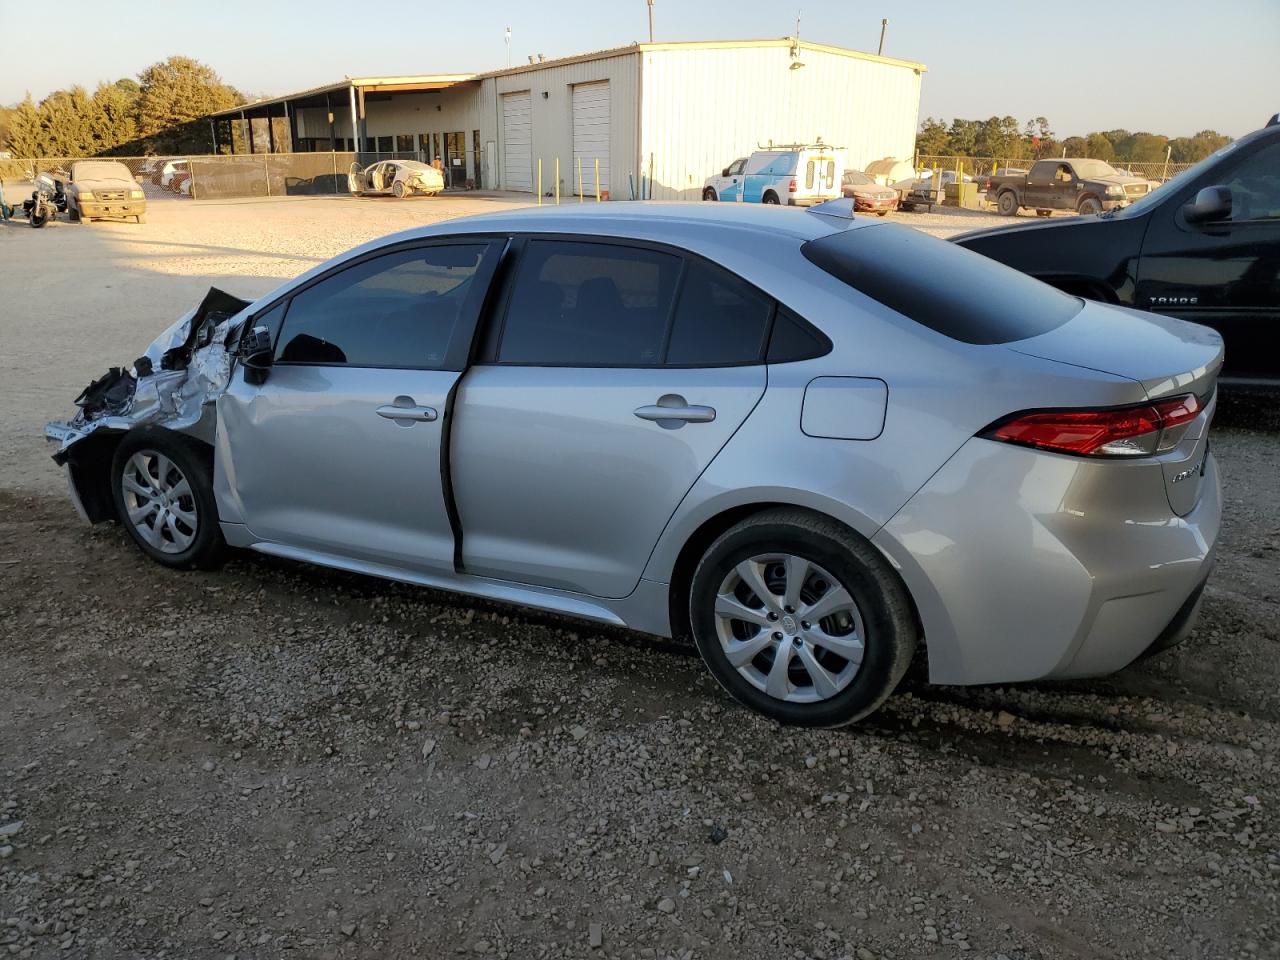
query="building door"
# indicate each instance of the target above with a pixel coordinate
(591, 134)
(455, 158)
(517, 141)
(475, 159)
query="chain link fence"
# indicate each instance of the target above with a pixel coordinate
(229, 176)
(1159, 171)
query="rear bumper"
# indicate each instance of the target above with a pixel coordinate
(1025, 565)
(810, 201)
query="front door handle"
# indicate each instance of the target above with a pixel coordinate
(671, 410)
(405, 412)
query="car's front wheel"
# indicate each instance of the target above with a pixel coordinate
(801, 619)
(709, 194)
(162, 483)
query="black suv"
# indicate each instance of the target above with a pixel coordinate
(1205, 247)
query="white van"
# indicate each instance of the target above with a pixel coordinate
(797, 175)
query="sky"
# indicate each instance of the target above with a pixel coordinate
(1165, 66)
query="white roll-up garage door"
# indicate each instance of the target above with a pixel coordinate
(517, 141)
(591, 134)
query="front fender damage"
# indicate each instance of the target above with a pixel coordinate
(173, 384)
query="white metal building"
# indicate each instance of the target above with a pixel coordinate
(657, 116)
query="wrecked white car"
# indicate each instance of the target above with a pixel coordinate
(398, 177)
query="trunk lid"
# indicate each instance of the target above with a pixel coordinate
(1168, 357)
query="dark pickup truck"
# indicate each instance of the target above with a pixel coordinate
(1204, 247)
(1085, 186)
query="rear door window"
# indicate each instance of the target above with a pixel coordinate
(947, 288)
(589, 304)
(719, 320)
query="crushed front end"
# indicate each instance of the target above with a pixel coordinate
(173, 384)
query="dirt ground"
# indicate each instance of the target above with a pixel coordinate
(276, 761)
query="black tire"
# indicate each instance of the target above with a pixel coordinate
(1089, 206)
(709, 194)
(195, 463)
(73, 214)
(771, 197)
(38, 220)
(1007, 203)
(399, 189)
(888, 620)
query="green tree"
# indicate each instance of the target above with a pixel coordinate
(962, 137)
(1076, 146)
(999, 137)
(114, 117)
(1142, 148)
(25, 138)
(932, 139)
(66, 117)
(175, 97)
(1193, 149)
(1099, 147)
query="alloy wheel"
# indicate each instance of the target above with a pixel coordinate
(159, 501)
(789, 627)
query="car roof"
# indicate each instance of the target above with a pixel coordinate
(647, 217)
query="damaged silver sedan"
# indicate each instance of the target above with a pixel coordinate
(752, 427)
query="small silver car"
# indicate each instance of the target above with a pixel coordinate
(808, 441)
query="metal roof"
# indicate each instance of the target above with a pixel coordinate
(445, 80)
(433, 81)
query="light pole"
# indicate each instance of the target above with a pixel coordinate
(651, 21)
(883, 25)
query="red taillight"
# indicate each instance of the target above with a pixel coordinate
(791, 187)
(1121, 432)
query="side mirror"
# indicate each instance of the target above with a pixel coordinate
(724, 172)
(1210, 204)
(255, 355)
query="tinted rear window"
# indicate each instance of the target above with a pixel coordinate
(954, 291)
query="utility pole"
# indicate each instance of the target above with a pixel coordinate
(508, 48)
(883, 25)
(651, 21)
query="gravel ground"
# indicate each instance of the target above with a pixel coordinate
(279, 761)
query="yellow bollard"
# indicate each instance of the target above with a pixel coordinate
(580, 198)
(557, 181)
(539, 181)
(597, 179)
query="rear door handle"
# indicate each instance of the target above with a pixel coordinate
(406, 413)
(672, 410)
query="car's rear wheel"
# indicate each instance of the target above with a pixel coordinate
(709, 194)
(1007, 204)
(771, 197)
(399, 189)
(162, 483)
(1089, 206)
(801, 619)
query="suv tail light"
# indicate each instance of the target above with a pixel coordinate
(1137, 431)
(791, 187)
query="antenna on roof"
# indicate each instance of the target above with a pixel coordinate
(796, 63)
(508, 48)
(651, 21)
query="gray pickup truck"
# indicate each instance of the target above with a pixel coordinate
(1085, 186)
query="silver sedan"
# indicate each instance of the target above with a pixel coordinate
(811, 443)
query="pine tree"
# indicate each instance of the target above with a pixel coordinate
(113, 120)
(176, 95)
(25, 136)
